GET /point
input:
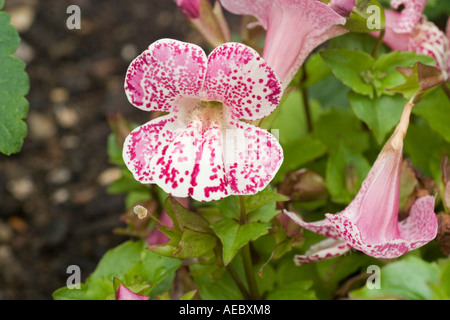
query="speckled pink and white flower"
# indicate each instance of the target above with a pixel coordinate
(410, 15)
(201, 148)
(370, 222)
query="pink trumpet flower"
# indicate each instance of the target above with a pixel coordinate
(423, 38)
(123, 293)
(294, 29)
(201, 149)
(370, 222)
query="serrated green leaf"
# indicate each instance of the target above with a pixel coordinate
(381, 114)
(195, 244)
(385, 68)
(14, 85)
(352, 67)
(234, 236)
(266, 196)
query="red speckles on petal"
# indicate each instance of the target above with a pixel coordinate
(410, 15)
(139, 147)
(250, 163)
(235, 75)
(167, 71)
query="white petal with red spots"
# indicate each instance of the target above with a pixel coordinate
(325, 249)
(167, 71)
(146, 141)
(252, 157)
(243, 81)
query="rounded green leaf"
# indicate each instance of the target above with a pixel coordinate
(14, 85)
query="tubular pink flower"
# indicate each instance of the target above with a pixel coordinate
(123, 293)
(294, 29)
(370, 222)
(425, 38)
(190, 8)
(409, 16)
(201, 149)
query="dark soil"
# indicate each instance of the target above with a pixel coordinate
(54, 207)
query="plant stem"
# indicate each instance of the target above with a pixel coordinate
(305, 99)
(238, 282)
(247, 258)
(378, 43)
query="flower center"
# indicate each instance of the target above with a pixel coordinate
(210, 113)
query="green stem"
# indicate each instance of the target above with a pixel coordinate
(238, 282)
(305, 100)
(247, 258)
(378, 43)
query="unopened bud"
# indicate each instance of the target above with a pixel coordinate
(140, 211)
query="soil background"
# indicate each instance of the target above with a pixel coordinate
(54, 207)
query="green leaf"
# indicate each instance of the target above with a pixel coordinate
(14, 85)
(341, 126)
(435, 108)
(130, 262)
(408, 278)
(380, 114)
(385, 68)
(299, 290)
(191, 236)
(234, 236)
(195, 244)
(352, 68)
(291, 119)
(266, 196)
(298, 153)
(214, 283)
(316, 70)
(345, 172)
(425, 148)
(189, 295)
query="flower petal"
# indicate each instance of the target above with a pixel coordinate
(410, 15)
(294, 29)
(415, 231)
(167, 71)
(146, 141)
(325, 249)
(252, 157)
(343, 7)
(322, 227)
(243, 81)
(192, 164)
(123, 293)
